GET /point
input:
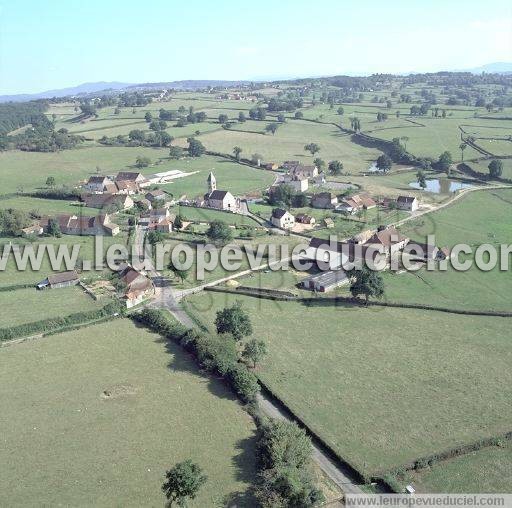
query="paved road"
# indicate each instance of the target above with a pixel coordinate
(168, 298)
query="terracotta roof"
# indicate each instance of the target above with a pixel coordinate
(387, 237)
(59, 278)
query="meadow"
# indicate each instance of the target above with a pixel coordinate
(381, 386)
(28, 305)
(68, 442)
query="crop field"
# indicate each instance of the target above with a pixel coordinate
(27, 305)
(84, 418)
(382, 386)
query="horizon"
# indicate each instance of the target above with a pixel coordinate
(225, 44)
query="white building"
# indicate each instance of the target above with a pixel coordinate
(409, 203)
(219, 199)
(282, 219)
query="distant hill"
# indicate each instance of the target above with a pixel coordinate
(191, 84)
(492, 68)
(84, 88)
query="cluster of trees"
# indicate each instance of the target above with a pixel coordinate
(382, 117)
(421, 110)
(45, 139)
(289, 103)
(366, 282)
(16, 115)
(219, 233)
(355, 124)
(138, 137)
(13, 221)
(258, 113)
(284, 196)
(133, 99)
(285, 476)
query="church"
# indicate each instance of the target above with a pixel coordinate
(219, 199)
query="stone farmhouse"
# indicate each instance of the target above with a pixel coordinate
(409, 203)
(133, 177)
(108, 201)
(100, 225)
(356, 203)
(325, 200)
(389, 238)
(137, 287)
(282, 219)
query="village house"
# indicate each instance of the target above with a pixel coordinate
(158, 198)
(82, 226)
(160, 219)
(324, 200)
(409, 203)
(282, 219)
(302, 171)
(98, 184)
(59, 280)
(137, 287)
(299, 183)
(389, 238)
(425, 252)
(271, 166)
(356, 203)
(219, 199)
(328, 222)
(126, 187)
(108, 201)
(134, 177)
(34, 229)
(289, 165)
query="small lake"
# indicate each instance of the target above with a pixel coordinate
(442, 185)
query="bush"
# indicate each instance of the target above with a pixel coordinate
(244, 383)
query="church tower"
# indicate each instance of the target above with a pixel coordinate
(212, 183)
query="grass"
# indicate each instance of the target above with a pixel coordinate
(487, 470)
(66, 444)
(288, 143)
(44, 206)
(28, 305)
(382, 386)
(208, 215)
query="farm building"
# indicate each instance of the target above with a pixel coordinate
(328, 222)
(424, 251)
(325, 281)
(123, 202)
(299, 183)
(289, 165)
(98, 184)
(356, 203)
(272, 166)
(324, 200)
(74, 225)
(390, 239)
(157, 195)
(303, 218)
(34, 229)
(409, 203)
(282, 219)
(59, 280)
(301, 171)
(134, 177)
(138, 287)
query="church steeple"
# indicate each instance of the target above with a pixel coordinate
(212, 183)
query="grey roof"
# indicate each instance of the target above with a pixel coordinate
(217, 194)
(277, 213)
(59, 278)
(406, 199)
(328, 279)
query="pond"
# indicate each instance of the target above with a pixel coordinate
(442, 185)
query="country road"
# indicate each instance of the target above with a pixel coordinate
(167, 298)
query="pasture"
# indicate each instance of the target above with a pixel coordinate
(28, 305)
(85, 421)
(381, 386)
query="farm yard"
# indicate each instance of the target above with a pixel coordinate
(83, 417)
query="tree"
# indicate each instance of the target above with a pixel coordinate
(178, 222)
(312, 148)
(254, 351)
(272, 127)
(148, 117)
(50, 181)
(175, 152)
(219, 232)
(495, 168)
(384, 162)
(335, 167)
(154, 237)
(422, 180)
(241, 117)
(183, 482)
(223, 118)
(366, 282)
(445, 161)
(405, 139)
(236, 152)
(256, 158)
(142, 161)
(298, 115)
(182, 273)
(54, 228)
(233, 320)
(195, 147)
(319, 163)
(462, 147)
(281, 195)
(340, 111)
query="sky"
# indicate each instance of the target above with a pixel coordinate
(66, 43)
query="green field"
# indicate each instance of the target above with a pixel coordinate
(382, 386)
(66, 444)
(28, 305)
(487, 470)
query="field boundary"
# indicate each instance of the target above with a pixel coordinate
(334, 300)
